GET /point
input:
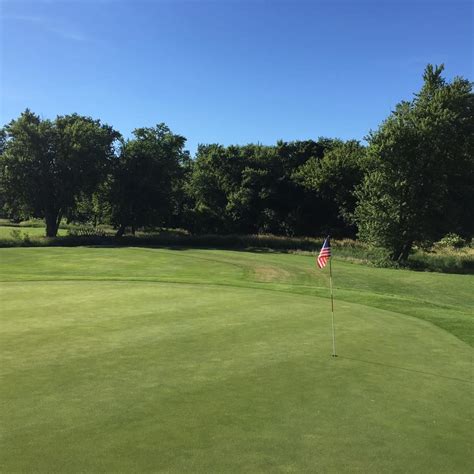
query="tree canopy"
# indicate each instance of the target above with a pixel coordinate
(411, 185)
(46, 164)
(420, 184)
(145, 179)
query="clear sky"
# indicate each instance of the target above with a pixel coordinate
(229, 71)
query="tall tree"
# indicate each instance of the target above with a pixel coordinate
(252, 188)
(250, 200)
(46, 164)
(421, 181)
(333, 178)
(147, 178)
(209, 186)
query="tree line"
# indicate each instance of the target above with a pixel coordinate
(411, 184)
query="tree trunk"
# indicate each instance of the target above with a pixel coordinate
(58, 220)
(404, 252)
(52, 220)
(120, 231)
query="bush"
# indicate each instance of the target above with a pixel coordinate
(86, 231)
(451, 240)
(461, 263)
(15, 235)
(20, 238)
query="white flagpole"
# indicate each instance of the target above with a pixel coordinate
(332, 311)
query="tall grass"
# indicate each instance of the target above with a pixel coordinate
(34, 223)
(446, 260)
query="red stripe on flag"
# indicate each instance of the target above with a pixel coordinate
(324, 254)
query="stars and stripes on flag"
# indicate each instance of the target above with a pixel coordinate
(324, 254)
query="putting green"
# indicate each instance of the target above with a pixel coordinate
(213, 361)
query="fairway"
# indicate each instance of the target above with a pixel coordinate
(168, 360)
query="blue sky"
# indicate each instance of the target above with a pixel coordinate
(228, 71)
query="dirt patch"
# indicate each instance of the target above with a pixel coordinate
(267, 274)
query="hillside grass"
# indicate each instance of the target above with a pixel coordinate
(446, 260)
(174, 360)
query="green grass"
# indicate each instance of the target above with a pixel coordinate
(9, 232)
(135, 360)
(31, 234)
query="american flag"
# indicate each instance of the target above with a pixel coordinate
(324, 254)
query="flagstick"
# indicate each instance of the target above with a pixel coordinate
(332, 311)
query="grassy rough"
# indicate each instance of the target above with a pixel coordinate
(440, 260)
(17, 234)
(135, 360)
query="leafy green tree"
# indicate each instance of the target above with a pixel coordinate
(209, 186)
(93, 208)
(147, 177)
(252, 188)
(249, 201)
(334, 178)
(45, 165)
(420, 184)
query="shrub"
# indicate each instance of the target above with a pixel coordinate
(15, 235)
(86, 231)
(451, 240)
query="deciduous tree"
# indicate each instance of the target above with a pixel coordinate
(45, 165)
(421, 181)
(147, 178)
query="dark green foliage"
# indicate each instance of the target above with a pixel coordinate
(146, 178)
(93, 208)
(262, 189)
(334, 178)
(46, 165)
(411, 186)
(421, 182)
